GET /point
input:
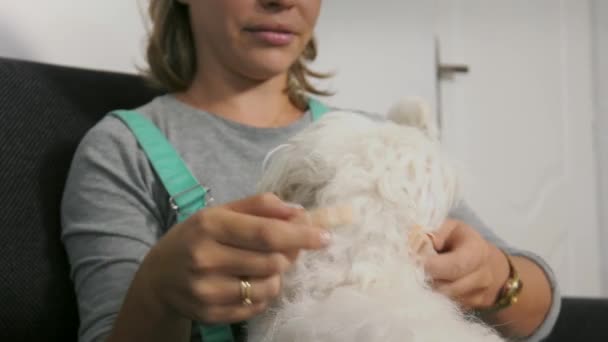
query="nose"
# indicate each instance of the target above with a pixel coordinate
(277, 5)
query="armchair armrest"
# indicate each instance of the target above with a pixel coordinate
(581, 319)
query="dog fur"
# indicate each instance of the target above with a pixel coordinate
(366, 286)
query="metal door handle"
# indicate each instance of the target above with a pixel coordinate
(453, 68)
(447, 71)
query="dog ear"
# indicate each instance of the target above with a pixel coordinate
(415, 112)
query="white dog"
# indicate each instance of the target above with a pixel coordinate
(367, 286)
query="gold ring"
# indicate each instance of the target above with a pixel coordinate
(246, 292)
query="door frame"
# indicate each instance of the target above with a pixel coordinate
(599, 9)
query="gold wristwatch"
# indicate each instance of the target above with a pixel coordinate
(510, 291)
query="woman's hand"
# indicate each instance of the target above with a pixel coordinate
(467, 268)
(196, 269)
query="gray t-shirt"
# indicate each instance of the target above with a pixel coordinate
(114, 208)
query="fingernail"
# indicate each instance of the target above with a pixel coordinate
(433, 240)
(325, 238)
(293, 205)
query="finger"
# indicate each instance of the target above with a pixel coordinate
(226, 291)
(467, 291)
(453, 265)
(292, 255)
(228, 314)
(420, 244)
(441, 236)
(238, 262)
(330, 217)
(413, 237)
(264, 234)
(266, 205)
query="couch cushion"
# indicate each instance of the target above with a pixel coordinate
(44, 111)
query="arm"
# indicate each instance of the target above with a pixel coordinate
(110, 222)
(527, 315)
(539, 303)
(143, 317)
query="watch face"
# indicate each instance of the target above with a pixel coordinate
(511, 285)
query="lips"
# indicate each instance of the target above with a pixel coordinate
(273, 35)
(270, 27)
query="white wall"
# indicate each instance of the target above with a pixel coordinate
(600, 31)
(379, 53)
(106, 34)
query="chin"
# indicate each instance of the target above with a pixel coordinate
(368, 285)
(268, 65)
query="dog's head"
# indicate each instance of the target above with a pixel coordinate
(373, 163)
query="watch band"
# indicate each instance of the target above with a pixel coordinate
(509, 294)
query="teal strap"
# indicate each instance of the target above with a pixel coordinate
(183, 188)
(187, 195)
(317, 108)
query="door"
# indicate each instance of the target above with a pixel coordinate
(521, 123)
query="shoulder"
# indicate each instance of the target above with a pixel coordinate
(108, 140)
(109, 148)
(112, 134)
(108, 163)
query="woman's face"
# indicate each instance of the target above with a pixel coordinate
(258, 39)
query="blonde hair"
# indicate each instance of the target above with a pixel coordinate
(171, 54)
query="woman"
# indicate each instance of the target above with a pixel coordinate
(238, 83)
